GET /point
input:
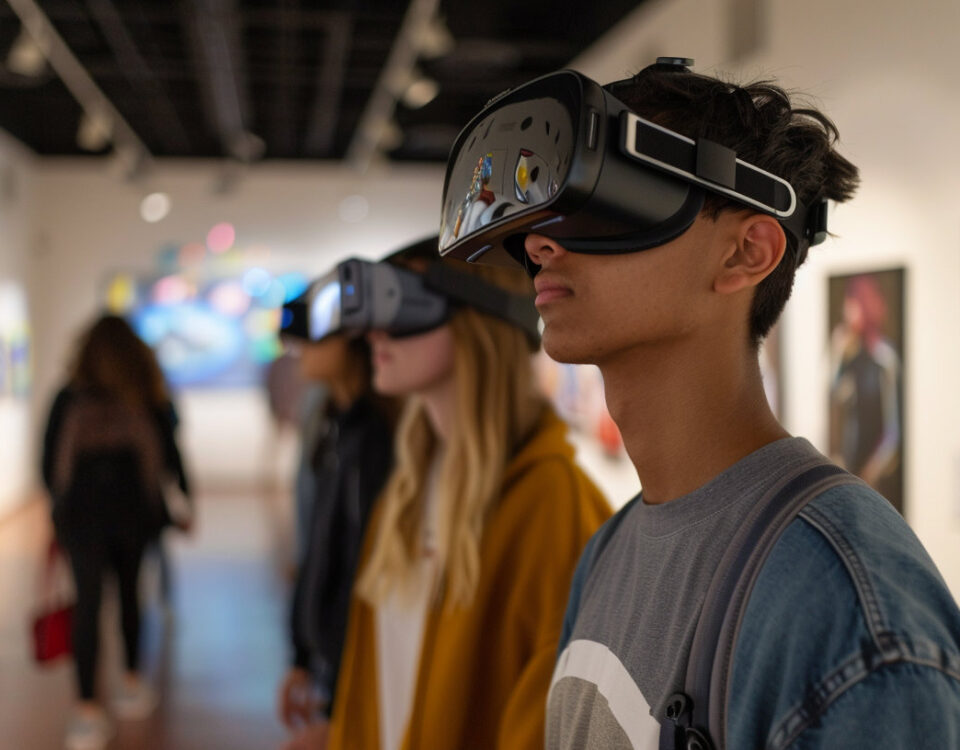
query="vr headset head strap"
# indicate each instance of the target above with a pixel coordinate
(718, 169)
(488, 298)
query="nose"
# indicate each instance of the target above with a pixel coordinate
(375, 336)
(542, 250)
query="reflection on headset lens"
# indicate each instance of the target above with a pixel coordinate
(325, 311)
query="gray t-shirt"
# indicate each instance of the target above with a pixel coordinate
(639, 607)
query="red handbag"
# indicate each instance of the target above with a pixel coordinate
(53, 620)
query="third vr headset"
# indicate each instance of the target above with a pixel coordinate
(563, 157)
(359, 296)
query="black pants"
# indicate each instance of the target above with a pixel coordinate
(91, 556)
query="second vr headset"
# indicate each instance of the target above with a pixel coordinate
(563, 157)
(359, 296)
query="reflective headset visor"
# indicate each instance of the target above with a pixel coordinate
(563, 157)
(359, 296)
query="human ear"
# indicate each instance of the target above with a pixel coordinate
(758, 249)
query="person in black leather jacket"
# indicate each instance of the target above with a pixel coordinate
(349, 458)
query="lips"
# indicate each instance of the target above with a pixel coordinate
(381, 356)
(549, 290)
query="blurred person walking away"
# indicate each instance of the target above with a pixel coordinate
(108, 450)
(284, 387)
(348, 454)
(295, 406)
(459, 600)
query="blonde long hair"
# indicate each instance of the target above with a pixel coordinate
(497, 407)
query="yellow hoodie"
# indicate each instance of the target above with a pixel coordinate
(485, 670)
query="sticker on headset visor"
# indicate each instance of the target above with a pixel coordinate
(515, 160)
(532, 180)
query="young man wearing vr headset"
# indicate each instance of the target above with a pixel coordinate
(753, 595)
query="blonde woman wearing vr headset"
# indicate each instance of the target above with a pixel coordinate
(459, 600)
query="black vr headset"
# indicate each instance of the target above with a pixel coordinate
(563, 157)
(359, 296)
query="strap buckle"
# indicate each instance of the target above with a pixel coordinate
(679, 711)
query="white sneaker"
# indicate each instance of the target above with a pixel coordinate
(88, 733)
(135, 702)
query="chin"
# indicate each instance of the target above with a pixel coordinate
(384, 385)
(573, 350)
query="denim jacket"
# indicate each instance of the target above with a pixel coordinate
(850, 639)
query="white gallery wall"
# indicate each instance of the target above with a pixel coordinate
(17, 439)
(886, 73)
(87, 225)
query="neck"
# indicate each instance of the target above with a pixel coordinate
(687, 411)
(440, 403)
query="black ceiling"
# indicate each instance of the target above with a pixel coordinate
(299, 72)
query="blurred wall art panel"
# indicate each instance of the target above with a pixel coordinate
(211, 313)
(16, 382)
(576, 392)
(866, 341)
(15, 343)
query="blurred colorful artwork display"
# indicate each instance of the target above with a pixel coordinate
(866, 378)
(15, 348)
(576, 392)
(211, 310)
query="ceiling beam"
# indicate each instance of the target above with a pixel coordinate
(315, 19)
(77, 80)
(213, 31)
(322, 127)
(383, 100)
(283, 119)
(249, 17)
(168, 129)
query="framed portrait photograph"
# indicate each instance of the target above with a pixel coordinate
(866, 341)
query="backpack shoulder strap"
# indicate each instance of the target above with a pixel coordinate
(697, 718)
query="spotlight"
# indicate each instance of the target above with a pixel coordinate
(95, 131)
(413, 87)
(421, 92)
(26, 57)
(155, 207)
(435, 39)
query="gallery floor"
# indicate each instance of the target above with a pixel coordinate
(215, 655)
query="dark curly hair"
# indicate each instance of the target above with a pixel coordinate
(761, 124)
